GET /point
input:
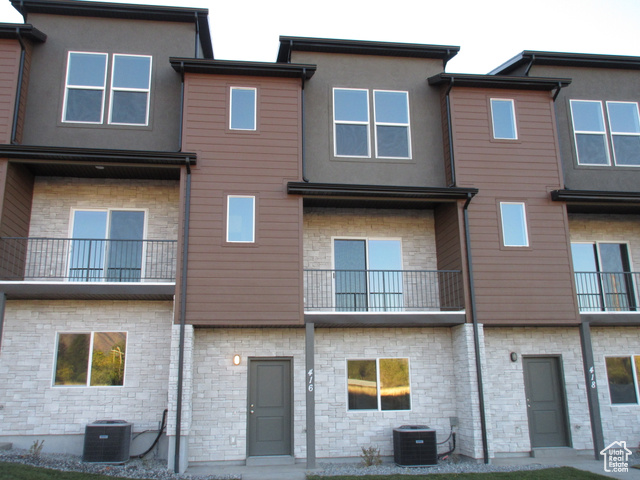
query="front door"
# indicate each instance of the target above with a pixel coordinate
(545, 402)
(270, 410)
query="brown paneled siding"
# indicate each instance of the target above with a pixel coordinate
(244, 284)
(9, 68)
(515, 285)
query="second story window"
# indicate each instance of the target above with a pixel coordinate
(352, 123)
(241, 219)
(624, 121)
(86, 94)
(514, 224)
(590, 133)
(243, 109)
(503, 119)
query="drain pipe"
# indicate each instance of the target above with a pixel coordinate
(183, 313)
(476, 340)
(304, 172)
(16, 108)
(197, 34)
(450, 134)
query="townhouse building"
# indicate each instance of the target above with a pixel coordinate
(286, 261)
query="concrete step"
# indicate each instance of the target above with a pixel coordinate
(6, 446)
(554, 452)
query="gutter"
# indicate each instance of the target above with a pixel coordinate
(16, 108)
(183, 314)
(476, 340)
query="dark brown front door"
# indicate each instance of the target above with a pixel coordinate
(545, 402)
(269, 407)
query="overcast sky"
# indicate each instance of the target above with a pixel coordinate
(488, 32)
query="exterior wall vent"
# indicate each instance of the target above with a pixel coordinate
(107, 441)
(415, 446)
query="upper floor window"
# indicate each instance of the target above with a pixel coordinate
(243, 109)
(241, 218)
(86, 82)
(352, 124)
(514, 224)
(503, 119)
(624, 121)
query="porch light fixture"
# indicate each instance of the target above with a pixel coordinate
(513, 356)
(236, 359)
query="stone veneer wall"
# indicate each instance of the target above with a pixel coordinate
(415, 227)
(29, 403)
(504, 384)
(619, 422)
(54, 197)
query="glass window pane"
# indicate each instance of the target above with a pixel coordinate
(84, 105)
(87, 69)
(351, 105)
(90, 224)
(392, 141)
(240, 221)
(584, 257)
(72, 359)
(108, 359)
(395, 390)
(592, 149)
(351, 278)
(621, 383)
(503, 118)
(514, 227)
(623, 117)
(243, 109)
(88, 245)
(352, 140)
(586, 276)
(129, 107)
(587, 116)
(626, 149)
(362, 385)
(125, 246)
(391, 107)
(131, 72)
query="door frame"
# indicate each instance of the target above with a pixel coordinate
(248, 404)
(563, 396)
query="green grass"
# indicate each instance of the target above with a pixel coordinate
(17, 471)
(563, 473)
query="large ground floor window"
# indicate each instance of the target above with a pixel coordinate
(623, 374)
(379, 384)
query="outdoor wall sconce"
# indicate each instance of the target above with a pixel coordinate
(513, 356)
(236, 359)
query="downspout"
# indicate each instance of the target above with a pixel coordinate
(304, 172)
(476, 340)
(16, 111)
(183, 312)
(450, 132)
(533, 59)
(197, 34)
(181, 124)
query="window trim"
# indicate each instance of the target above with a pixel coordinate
(367, 124)
(91, 334)
(407, 125)
(622, 134)
(255, 109)
(254, 219)
(513, 118)
(589, 132)
(113, 89)
(524, 224)
(635, 376)
(103, 89)
(378, 385)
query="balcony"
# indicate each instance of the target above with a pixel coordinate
(78, 265)
(401, 294)
(607, 291)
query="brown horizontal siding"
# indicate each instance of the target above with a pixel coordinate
(9, 68)
(260, 283)
(533, 285)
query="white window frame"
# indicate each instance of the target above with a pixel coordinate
(367, 124)
(513, 118)
(634, 373)
(378, 384)
(613, 146)
(255, 108)
(407, 125)
(524, 225)
(253, 212)
(129, 89)
(68, 87)
(603, 133)
(91, 334)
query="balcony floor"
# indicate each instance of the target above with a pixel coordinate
(375, 319)
(87, 291)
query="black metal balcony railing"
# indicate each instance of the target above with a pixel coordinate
(87, 260)
(382, 290)
(607, 291)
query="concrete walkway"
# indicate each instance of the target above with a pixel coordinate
(299, 471)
